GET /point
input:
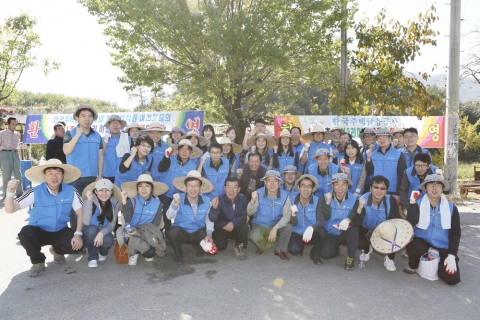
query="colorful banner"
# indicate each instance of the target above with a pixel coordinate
(39, 127)
(430, 129)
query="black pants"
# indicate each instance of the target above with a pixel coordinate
(331, 245)
(296, 244)
(33, 239)
(418, 247)
(240, 234)
(178, 236)
(364, 240)
(166, 201)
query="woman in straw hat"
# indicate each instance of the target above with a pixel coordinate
(232, 134)
(231, 151)
(102, 201)
(141, 209)
(317, 137)
(133, 132)
(263, 145)
(437, 225)
(283, 152)
(155, 131)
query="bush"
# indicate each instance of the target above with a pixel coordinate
(465, 170)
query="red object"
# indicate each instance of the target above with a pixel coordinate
(343, 163)
(415, 194)
(338, 226)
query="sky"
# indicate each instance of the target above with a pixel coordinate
(72, 37)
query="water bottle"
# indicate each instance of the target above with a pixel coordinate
(129, 228)
(362, 260)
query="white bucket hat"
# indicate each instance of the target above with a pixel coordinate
(272, 173)
(70, 173)
(384, 132)
(284, 133)
(368, 131)
(310, 177)
(116, 117)
(391, 236)
(155, 126)
(194, 133)
(103, 184)
(133, 125)
(341, 177)
(322, 152)
(180, 182)
(436, 177)
(291, 168)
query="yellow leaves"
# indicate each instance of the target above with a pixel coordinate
(468, 134)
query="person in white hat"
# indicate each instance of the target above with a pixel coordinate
(411, 147)
(103, 200)
(47, 224)
(290, 175)
(436, 224)
(368, 138)
(271, 211)
(215, 168)
(231, 151)
(323, 170)
(115, 145)
(190, 210)
(155, 132)
(283, 154)
(399, 143)
(133, 131)
(317, 137)
(197, 141)
(174, 136)
(343, 216)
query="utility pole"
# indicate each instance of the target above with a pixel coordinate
(453, 88)
(343, 57)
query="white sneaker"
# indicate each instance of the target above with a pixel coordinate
(102, 258)
(132, 261)
(389, 264)
(92, 264)
(405, 254)
(367, 255)
(148, 259)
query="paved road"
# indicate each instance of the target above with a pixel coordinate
(220, 287)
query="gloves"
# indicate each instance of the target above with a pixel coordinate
(344, 224)
(450, 264)
(414, 196)
(208, 246)
(307, 235)
(294, 210)
(168, 152)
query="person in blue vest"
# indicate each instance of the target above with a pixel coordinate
(307, 220)
(50, 202)
(317, 136)
(115, 145)
(138, 161)
(399, 143)
(177, 165)
(174, 136)
(155, 132)
(259, 126)
(102, 202)
(343, 216)
(335, 134)
(411, 147)
(436, 224)
(231, 152)
(378, 206)
(323, 170)
(297, 145)
(141, 209)
(356, 164)
(387, 161)
(344, 137)
(231, 133)
(133, 131)
(263, 145)
(283, 154)
(190, 209)
(290, 175)
(197, 141)
(271, 211)
(215, 168)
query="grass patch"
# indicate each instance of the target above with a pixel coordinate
(465, 170)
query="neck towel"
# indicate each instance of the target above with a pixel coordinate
(424, 218)
(123, 145)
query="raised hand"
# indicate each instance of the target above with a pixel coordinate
(124, 196)
(214, 202)
(88, 194)
(239, 173)
(134, 150)
(307, 146)
(328, 197)
(176, 199)
(254, 196)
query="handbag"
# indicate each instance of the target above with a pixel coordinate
(121, 253)
(428, 269)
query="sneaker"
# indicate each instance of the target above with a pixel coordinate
(149, 259)
(36, 269)
(409, 270)
(102, 258)
(349, 263)
(132, 261)
(316, 261)
(405, 254)
(389, 264)
(239, 251)
(57, 258)
(367, 255)
(92, 264)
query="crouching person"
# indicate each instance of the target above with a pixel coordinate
(51, 203)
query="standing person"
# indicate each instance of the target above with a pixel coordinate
(55, 145)
(155, 132)
(263, 145)
(259, 126)
(135, 163)
(369, 139)
(398, 134)
(231, 133)
(284, 155)
(209, 133)
(229, 215)
(10, 143)
(290, 175)
(174, 136)
(344, 137)
(297, 144)
(115, 145)
(271, 211)
(215, 168)
(356, 164)
(250, 177)
(48, 220)
(317, 136)
(411, 147)
(437, 225)
(336, 133)
(133, 132)
(231, 152)
(197, 141)
(102, 201)
(323, 171)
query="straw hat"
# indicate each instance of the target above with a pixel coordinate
(384, 132)
(103, 184)
(155, 126)
(194, 133)
(85, 106)
(391, 236)
(317, 128)
(196, 152)
(341, 177)
(368, 130)
(236, 147)
(133, 125)
(307, 176)
(284, 133)
(70, 173)
(322, 152)
(437, 177)
(272, 173)
(270, 141)
(291, 168)
(116, 117)
(180, 182)
(159, 188)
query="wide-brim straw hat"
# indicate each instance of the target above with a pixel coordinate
(391, 236)
(272, 173)
(206, 185)
(103, 184)
(437, 177)
(284, 133)
(369, 131)
(155, 126)
(70, 173)
(307, 176)
(236, 147)
(196, 152)
(159, 188)
(85, 106)
(194, 133)
(270, 141)
(341, 177)
(384, 132)
(317, 128)
(291, 168)
(116, 117)
(133, 125)
(322, 152)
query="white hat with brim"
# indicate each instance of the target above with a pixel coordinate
(82, 107)
(284, 133)
(340, 177)
(336, 129)
(116, 117)
(322, 152)
(384, 132)
(292, 169)
(391, 236)
(180, 182)
(196, 152)
(307, 176)
(318, 128)
(437, 177)
(155, 126)
(398, 130)
(367, 131)
(194, 133)
(103, 184)
(133, 125)
(272, 173)
(159, 188)
(236, 147)
(70, 173)
(270, 141)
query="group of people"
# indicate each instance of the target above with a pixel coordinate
(328, 192)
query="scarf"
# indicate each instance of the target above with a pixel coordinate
(424, 217)
(123, 145)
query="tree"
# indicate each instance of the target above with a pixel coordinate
(378, 79)
(471, 66)
(17, 42)
(233, 53)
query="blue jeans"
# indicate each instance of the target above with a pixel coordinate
(80, 186)
(89, 234)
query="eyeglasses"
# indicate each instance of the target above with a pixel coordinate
(434, 184)
(410, 137)
(215, 152)
(381, 188)
(421, 166)
(304, 186)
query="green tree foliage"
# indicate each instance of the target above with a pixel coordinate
(17, 43)
(468, 136)
(378, 78)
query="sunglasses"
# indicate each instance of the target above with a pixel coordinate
(381, 188)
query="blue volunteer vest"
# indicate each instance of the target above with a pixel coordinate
(158, 153)
(185, 217)
(110, 161)
(414, 180)
(292, 193)
(217, 178)
(306, 216)
(269, 211)
(85, 154)
(264, 158)
(373, 215)
(176, 170)
(407, 154)
(51, 213)
(325, 182)
(285, 160)
(298, 150)
(386, 165)
(339, 212)
(136, 169)
(437, 237)
(314, 146)
(144, 211)
(355, 173)
(95, 215)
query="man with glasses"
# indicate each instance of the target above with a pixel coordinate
(412, 148)
(215, 168)
(290, 175)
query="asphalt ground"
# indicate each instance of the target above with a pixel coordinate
(221, 287)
